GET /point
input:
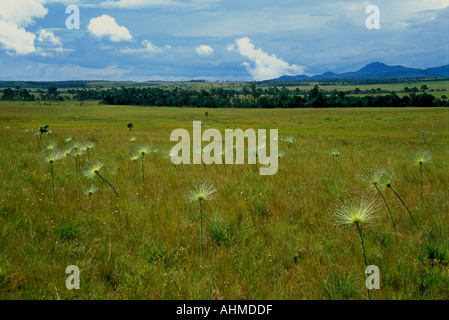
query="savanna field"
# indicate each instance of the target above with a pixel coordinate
(263, 237)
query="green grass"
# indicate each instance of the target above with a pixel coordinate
(265, 237)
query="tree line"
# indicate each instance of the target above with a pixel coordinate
(247, 97)
(253, 97)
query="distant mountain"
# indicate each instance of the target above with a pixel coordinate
(441, 71)
(377, 70)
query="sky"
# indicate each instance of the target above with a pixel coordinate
(225, 40)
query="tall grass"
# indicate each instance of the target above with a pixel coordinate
(263, 237)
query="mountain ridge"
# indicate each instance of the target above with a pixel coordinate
(376, 70)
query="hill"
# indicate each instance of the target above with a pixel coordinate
(377, 70)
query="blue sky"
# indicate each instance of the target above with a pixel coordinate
(141, 40)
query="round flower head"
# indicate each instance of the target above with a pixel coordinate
(281, 154)
(50, 145)
(53, 156)
(134, 157)
(155, 150)
(93, 169)
(200, 192)
(143, 150)
(67, 151)
(68, 139)
(334, 153)
(89, 145)
(421, 157)
(77, 152)
(386, 181)
(76, 145)
(362, 212)
(90, 190)
(375, 177)
(132, 139)
(289, 140)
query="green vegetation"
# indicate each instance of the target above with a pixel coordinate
(298, 94)
(263, 237)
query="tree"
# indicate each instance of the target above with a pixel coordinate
(8, 94)
(52, 93)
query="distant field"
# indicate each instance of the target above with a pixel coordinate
(436, 85)
(265, 237)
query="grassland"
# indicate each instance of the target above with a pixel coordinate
(266, 237)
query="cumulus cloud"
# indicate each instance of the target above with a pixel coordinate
(204, 50)
(106, 26)
(21, 12)
(15, 15)
(263, 66)
(13, 37)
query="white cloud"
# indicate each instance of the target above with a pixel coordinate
(106, 26)
(15, 15)
(49, 37)
(49, 42)
(204, 50)
(13, 37)
(21, 12)
(263, 66)
(152, 48)
(148, 47)
(230, 47)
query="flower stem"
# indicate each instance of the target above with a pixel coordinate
(143, 175)
(91, 203)
(391, 216)
(411, 216)
(224, 166)
(107, 183)
(363, 252)
(201, 227)
(52, 179)
(420, 195)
